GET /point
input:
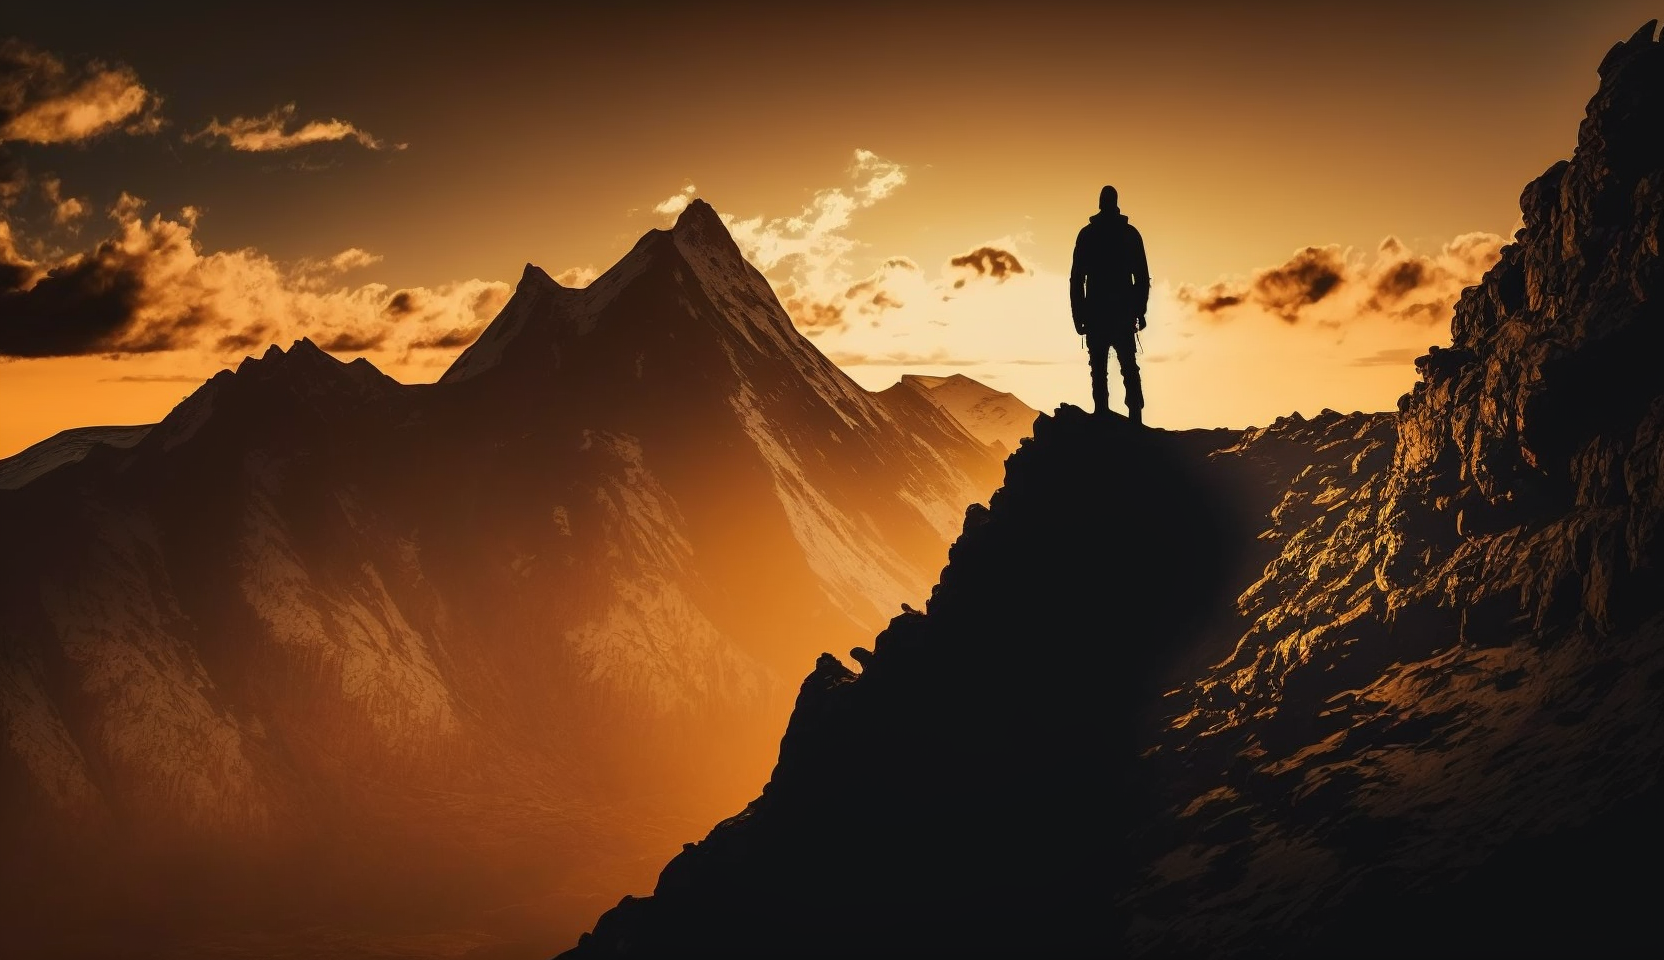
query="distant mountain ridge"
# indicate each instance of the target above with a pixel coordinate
(1368, 685)
(319, 638)
(991, 416)
(66, 446)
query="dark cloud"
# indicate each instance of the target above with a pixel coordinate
(1307, 278)
(401, 304)
(988, 262)
(43, 99)
(148, 287)
(455, 337)
(1399, 279)
(353, 341)
(1395, 283)
(243, 341)
(82, 307)
(1215, 299)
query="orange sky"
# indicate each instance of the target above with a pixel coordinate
(426, 158)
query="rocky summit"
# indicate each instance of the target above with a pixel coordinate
(1362, 684)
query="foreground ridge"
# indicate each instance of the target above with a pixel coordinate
(1356, 683)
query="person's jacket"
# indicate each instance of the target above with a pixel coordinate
(1109, 281)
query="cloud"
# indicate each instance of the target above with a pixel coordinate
(13, 180)
(880, 291)
(16, 270)
(45, 100)
(807, 255)
(1309, 276)
(353, 258)
(936, 358)
(814, 317)
(989, 262)
(676, 202)
(152, 378)
(65, 210)
(577, 276)
(1336, 286)
(876, 178)
(148, 288)
(982, 311)
(1390, 357)
(270, 132)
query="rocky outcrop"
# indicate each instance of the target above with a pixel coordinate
(1357, 684)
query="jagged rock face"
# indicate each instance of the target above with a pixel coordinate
(320, 642)
(1413, 704)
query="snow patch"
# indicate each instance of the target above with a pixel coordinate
(38, 736)
(861, 576)
(158, 719)
(62, 449)
(654, 644)
(386, 668)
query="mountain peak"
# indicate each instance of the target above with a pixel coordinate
(696, 212)
(701, 226)
(534, 274)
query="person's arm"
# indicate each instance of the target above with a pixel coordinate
(1077, 284)
(1140, 276)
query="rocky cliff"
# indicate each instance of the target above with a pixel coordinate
(1366, 684)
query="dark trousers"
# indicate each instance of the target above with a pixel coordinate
(1122, 337)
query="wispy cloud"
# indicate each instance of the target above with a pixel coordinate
(43, 99)
(277, 130)
(939, 358)
(1390, 357)
(152, 378)
(676, 202)
(807, 254)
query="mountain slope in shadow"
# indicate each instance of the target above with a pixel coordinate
(323, 656)
(1363, 684)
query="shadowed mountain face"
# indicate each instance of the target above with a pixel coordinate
(1369, 684)
(322, 652)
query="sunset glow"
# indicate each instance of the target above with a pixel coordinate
(915, 214)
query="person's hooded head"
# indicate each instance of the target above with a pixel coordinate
(1108, 200)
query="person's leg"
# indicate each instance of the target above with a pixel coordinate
(1126, 351)
(1097, 352)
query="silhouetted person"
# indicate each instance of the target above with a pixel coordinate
(1109, 291)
